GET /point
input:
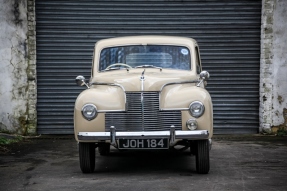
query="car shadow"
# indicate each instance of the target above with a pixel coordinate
(146, 161)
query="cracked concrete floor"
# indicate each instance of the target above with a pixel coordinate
(245, 163)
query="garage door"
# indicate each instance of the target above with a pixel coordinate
(228, 33)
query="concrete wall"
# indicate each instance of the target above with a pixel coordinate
(18, 93)
(279, 113)
(273, 66)
(14, 67)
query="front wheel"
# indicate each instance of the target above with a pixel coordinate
(87, 157)
(202, 156)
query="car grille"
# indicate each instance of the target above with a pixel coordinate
(143, 116)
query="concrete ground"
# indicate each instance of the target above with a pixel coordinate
(237, 163)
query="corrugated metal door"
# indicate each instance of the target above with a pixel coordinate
(228, 33)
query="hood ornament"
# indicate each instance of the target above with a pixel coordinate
(142, 78)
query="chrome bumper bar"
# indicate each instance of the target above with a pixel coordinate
(171, 135)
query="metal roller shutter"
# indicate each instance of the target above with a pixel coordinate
(228, 33)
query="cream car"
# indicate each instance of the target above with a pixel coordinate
(145, 92)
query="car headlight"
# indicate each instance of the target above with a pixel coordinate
(89, 111)
(196, 109)
(191, 124)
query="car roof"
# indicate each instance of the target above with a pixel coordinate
(144, 40)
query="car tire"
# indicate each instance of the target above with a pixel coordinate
(87, 157)
(202, 156)
(192, 145)
(104, 149)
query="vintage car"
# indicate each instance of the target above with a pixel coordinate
(145, 92)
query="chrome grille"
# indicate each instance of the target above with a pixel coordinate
(143, 116)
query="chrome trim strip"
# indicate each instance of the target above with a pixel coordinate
(104, 111)
(142, 135)
(197, 134)
(109, 84)
(173, 83)
(174, 109)
(190, 135)
(94, 135)
(142, 78)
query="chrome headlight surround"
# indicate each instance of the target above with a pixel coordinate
(89, 111)
(196, 109)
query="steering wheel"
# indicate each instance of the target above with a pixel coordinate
(118, 64)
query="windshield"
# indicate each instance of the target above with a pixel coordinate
(145, 56)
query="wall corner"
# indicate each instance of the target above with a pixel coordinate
(31, 70)
(266, 66)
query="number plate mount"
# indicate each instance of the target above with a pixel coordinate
(143, 143)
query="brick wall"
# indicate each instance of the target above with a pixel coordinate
(31, 72)
(273, 66)
(266, 66)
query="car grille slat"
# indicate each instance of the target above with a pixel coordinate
(143, 116)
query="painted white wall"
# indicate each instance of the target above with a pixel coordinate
(279, 62)
(13, 65)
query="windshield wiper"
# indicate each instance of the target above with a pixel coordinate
(148, 66)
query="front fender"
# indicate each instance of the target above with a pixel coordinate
(105, 98)
(180, 96)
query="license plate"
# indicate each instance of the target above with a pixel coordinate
(143, 143)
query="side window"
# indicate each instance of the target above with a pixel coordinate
(197, 60)
(92, 69)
